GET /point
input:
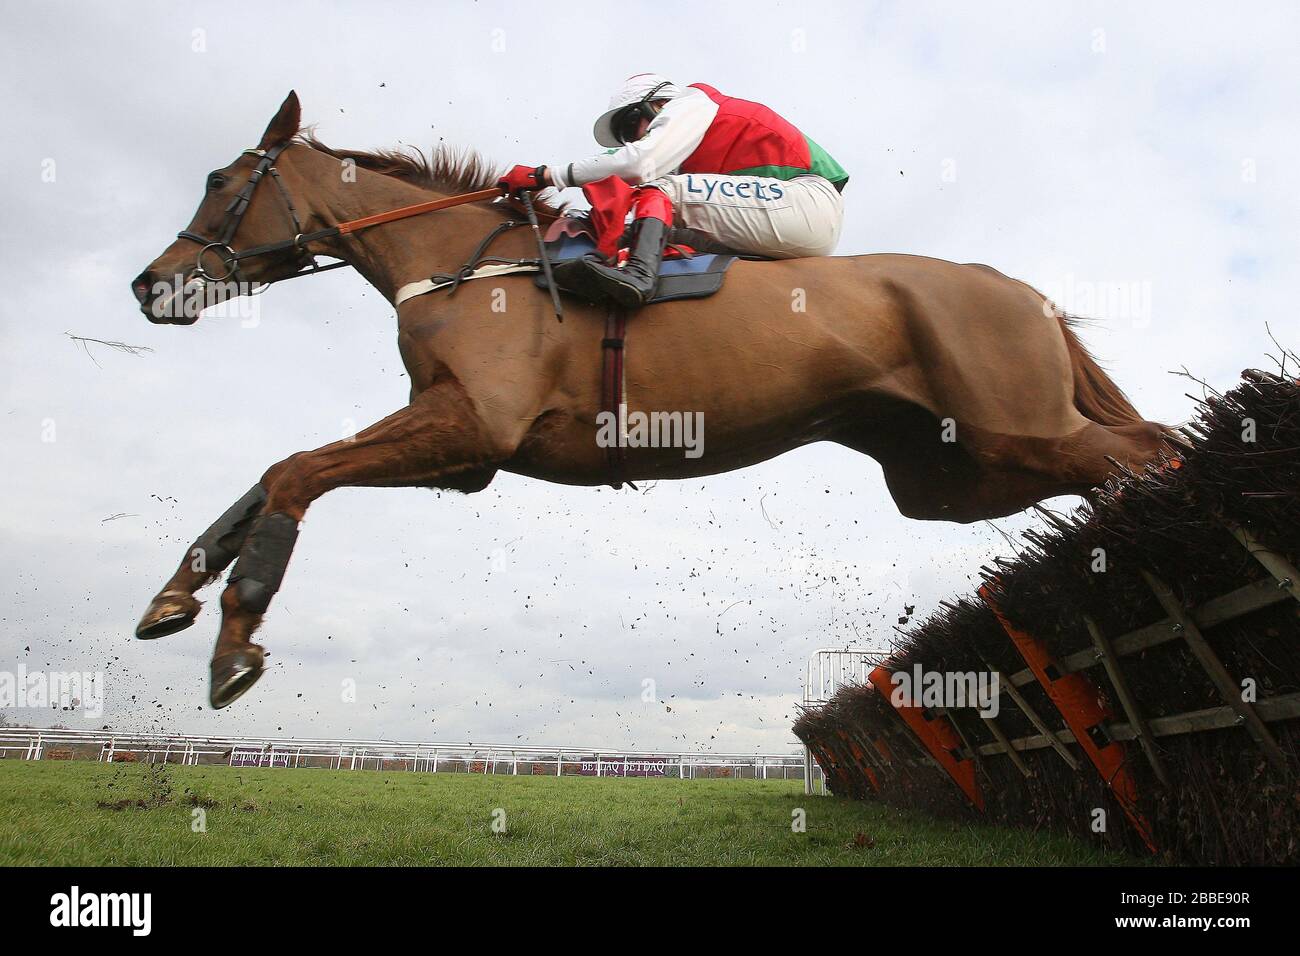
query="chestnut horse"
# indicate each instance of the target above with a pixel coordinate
(968, 387)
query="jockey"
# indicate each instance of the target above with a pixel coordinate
(732, 174)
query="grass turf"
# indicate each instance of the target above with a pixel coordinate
(93, 814)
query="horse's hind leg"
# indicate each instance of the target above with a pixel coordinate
(986, 475)
(175, 607)
(1016, 473)
(1085, 456)
(436, 441)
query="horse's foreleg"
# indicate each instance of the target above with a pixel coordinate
(175, 607)
(435, 441)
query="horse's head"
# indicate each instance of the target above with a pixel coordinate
(244, 206)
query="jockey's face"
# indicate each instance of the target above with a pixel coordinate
(641, 127)
(633, 127)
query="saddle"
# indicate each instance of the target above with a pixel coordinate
(683, 273)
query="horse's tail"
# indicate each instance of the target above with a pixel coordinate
(1096, 396)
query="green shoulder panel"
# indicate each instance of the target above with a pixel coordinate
(824, 165)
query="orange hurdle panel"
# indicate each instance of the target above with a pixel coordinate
(938, 737)
(1084, 709)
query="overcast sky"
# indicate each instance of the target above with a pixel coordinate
(1136, 161)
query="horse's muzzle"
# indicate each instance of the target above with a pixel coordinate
(163, 303)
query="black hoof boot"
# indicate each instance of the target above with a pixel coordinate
(169, 612)
(233, 673)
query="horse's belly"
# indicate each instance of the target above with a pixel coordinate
(661, 445)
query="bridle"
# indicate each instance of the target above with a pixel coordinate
(239, 206)
(235, 214)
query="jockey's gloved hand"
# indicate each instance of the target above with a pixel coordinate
(521, 178)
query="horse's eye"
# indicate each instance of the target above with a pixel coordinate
(216, 181)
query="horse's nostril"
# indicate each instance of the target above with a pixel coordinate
(141, 285)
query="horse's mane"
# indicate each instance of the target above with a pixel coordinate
(447, 169)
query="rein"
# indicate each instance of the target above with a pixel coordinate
(239, 206)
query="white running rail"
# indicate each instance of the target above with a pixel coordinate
(31, 743)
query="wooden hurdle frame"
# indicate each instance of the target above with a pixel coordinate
(1126, 723)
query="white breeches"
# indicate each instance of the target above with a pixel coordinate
(754, 215)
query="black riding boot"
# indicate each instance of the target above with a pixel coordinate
(571, 274)
(630, 286)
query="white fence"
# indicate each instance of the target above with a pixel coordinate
(829, 669)
(41, 744)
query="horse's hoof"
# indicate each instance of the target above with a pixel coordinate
(233, 674)
(168, 613)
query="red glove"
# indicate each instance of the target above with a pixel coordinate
(521, 178)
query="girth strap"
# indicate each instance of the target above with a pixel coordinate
(614, 386)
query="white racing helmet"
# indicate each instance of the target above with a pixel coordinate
(641, 88)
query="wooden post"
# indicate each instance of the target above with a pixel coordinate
(1001, 738)
(1288, 578)
(1039, 724)
(1126, 699)
(1228, 688)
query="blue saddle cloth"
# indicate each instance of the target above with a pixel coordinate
(688, 277)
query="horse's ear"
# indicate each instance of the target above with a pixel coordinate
(287, 122)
